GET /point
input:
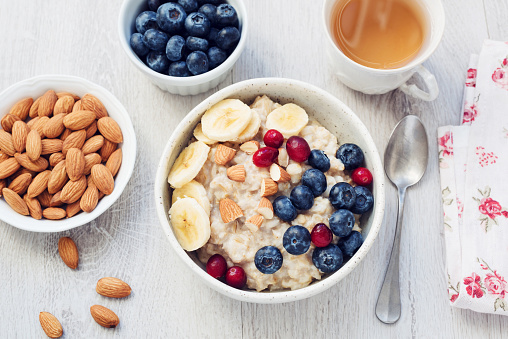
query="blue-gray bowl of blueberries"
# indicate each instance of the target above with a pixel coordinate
(184, 46)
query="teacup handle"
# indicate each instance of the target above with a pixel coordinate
(430, 82)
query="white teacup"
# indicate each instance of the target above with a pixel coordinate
(378, 81)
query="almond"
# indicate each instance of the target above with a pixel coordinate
(110, 129)
(54, 127)
(104, 316)
(55, 158)
(50, 325)
(58, 178)
(31, 122)
(21, 183)
(103, 179)
(50, 146)
(75, 140)
(3, 156)
(265, 208)
(64, 104)
(65, 134)
(45, 199)
(65, 94)
(77, 106)
(250, 147)
(54, 213)
(113, 288)
(93, 144)
(3, 184)
(236, 173)
(15, 201)
(21, 108)
(19, 135)
(73, 209)
(7, 121)
(107, 149)
(75, 164)
(91, 160)
(229, 210)
(223, 154)
(34, 109)
(73, 190)
(89, 199)
(38, 165)
(33, 145)
(91, 130)
(283, 157)
(78, 120)
(91, 103)
(39, 184)
(6, 144)
(56, 201)
(8, 168)
(68, 251)
(34, 207)
(254, 222)
(114, 162)
(279, 174)
(39, 125)
(22, 171)
(268, 187)
(47, 104)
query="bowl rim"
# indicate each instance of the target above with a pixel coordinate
(192, 80)
(49, 226)
(285, 295)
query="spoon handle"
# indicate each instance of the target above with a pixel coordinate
(388, 302)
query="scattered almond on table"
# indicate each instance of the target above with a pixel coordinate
(104, 316)
(50, 325)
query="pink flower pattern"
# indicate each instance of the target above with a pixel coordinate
(489, 209)
(495, 284)
(485, 158)
(474, 285)
(470, 113)
(471, 77)
(446, 144)
(500, 75)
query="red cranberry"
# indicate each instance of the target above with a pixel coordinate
(216, 266)
(265, 156)
(236, 277)
(273, 138)
(362, 176)
(298, 149)
(321, 235)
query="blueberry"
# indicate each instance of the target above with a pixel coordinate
(364, 200)
(212, 36)
(351, 156)
(197, 24)
(319, 160)
(145, 21)
(302, 197)
(342, 222)
(226, 15)
(179, 69)
(154, 4)
(327, 259)
(284, 209)
(216, 56)
(315, 180)
(210, 11)
(174, 48)
(171, 17)
(268, 259)
(155, 40)
(296, 240)
(189, 5)
(196, 44)
(197, 62)
(157, 61)
(138, 46)
(228, 37)
(350, 244)
(342, 195)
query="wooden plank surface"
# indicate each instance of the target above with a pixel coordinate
(286, 40)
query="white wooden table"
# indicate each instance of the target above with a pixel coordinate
(286, 40)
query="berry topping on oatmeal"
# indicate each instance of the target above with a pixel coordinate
(351, 156)
(268, 259)
(362, 176)
(342, 222)
(298, 149)
(350, 244)
(364, 200)
(265, 156)
(327, 259)
(216, 266)
(315, 180)
(319, 160)
(284, 208)
(296, 240)
(236, 277)
(342, 195)
(321, 235)
(273, 138)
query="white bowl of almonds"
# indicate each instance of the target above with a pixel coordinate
(67, 151)
(250, 190)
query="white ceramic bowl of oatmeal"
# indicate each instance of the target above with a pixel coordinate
(343, 124)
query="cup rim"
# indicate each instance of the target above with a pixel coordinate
(414, 63)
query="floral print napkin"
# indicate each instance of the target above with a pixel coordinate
(473, 161)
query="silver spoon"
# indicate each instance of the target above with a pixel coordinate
(406, 158)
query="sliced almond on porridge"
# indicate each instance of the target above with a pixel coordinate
(252, 128)
(283, 157)
(254, 222)
(199, 135)
(268, 187)
(236, 173)
(188, 164)
(229, 210)
(265, 208)
(279, 174)
(193, 189)
(226, 120)
(250, 147)
(224, 154)
(190, 223)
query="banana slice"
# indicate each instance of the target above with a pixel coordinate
(198, 134)
(226, 120)
(195, 190)
(289, 119)
(188, 164)
(251, 130)
(190, 223)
